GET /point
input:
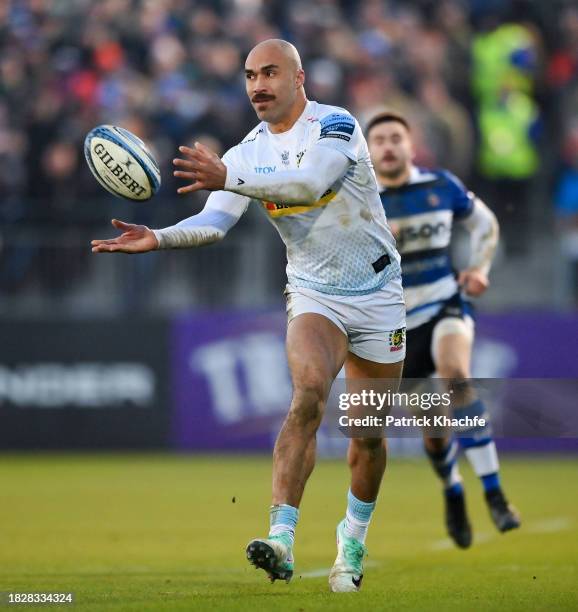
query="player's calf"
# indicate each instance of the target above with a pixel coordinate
(442, 454)
(482, 454)
(504, 516)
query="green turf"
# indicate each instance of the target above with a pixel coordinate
(162, 533)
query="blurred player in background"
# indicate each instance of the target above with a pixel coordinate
(309, 167)
(422, 206)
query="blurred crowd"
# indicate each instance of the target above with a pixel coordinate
(490, 86)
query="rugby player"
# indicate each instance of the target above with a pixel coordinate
(308, 167)
(422, 206)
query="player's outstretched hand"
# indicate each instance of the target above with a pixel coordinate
(203, 168)
(473, 281)
(134, 239)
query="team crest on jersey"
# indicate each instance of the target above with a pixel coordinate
(396, 340)
(433, 199)
(285, 158)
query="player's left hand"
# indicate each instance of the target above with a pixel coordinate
(202, 167)
(473, 281)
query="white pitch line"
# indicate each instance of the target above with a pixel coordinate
(317, 573)
(553, 525)
(324, 571)
(447, 544)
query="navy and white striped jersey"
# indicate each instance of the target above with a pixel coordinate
(423, 211)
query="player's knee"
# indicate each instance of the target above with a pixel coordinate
(459, 385)
(308, 405)
(435, 445)
(455, 372)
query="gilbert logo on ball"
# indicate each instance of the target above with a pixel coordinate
(121, 163)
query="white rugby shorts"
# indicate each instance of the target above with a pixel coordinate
(374, 323)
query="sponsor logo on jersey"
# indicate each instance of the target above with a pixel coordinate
(274, 206)
(419, 232)
(265, 169)
(396, 340)
(337, 125)
(276, 209)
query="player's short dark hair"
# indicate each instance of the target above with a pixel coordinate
(387, 117)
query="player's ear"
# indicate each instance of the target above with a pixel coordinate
(300, 80)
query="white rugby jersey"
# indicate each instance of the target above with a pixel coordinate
(341, 243)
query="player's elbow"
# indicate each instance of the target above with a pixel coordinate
(491, 222)
(312, 190)
(495, 227)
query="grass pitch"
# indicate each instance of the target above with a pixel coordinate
(150, 532)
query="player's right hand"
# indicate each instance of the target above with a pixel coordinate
(134, 239)
(473, 281)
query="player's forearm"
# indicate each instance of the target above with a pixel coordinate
(320, 169)
(207, 227)
(291, 187)
(483, 228)
(176, 237)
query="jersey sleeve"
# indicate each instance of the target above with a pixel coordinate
(340, 131)
(462, 199)
(232, 157)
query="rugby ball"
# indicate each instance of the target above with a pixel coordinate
(121, 163)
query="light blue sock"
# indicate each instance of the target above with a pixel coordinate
(357, 517)
(283, 521)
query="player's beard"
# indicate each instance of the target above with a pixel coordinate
(394, 173)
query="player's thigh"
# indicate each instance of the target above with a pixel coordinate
(377, 334)
(363, 375)
(452, 341)
(357, 367)
(316, 350)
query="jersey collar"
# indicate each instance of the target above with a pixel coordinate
(418, 175)
(303, 117)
